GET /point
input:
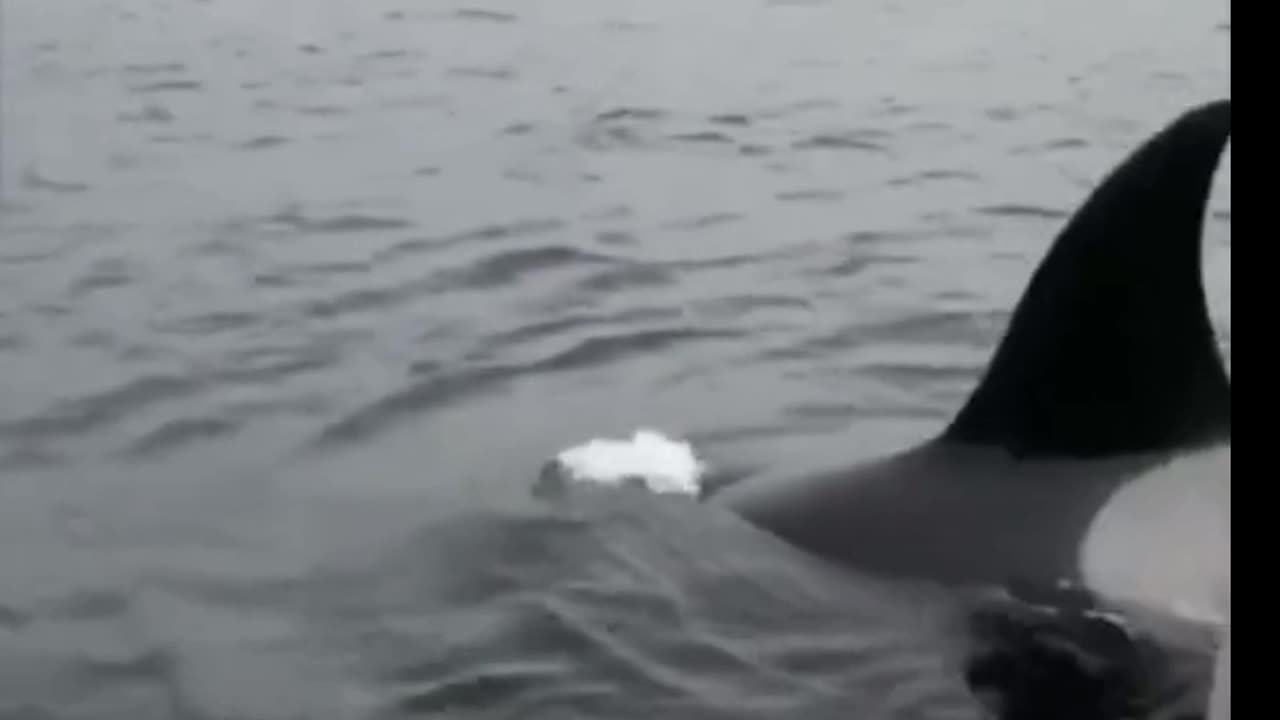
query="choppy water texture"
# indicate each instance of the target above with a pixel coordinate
(295, 298)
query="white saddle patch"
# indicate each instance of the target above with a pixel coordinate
(1163, 540)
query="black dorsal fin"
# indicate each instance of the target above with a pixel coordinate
(1111, 349)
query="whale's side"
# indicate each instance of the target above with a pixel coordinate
(1109, 368)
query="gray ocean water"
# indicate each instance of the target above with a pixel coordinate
(296, 297)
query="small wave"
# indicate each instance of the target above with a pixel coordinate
(850, 266)
(367, 299)
(704, 136)
(1066, 144)
(1002, 114)
(934, 176)
(148, 115)
(176, 434)
(1013, 210)
(819, 196)
(327, 269)
(913, 376)
(880, 237)
(863, 140)
(440, 390)
(322, 110)
(611, 137)
(963, 329)
(839, 340)
(896, 108)
(167, 86)
(823, 411)
(88, 413)
(615, 237)
(520, 128)
(209, 323)
(33, 180)
(737, 306)
(485, 73)
(255, 367)
(378, 55)
(602, 350)
(158, 68)
(11, 618)
(29, 457)
(177, 139)
(509, 267)
(630, 113)
(103, 275)
(518, 228)
(633, 275)
(930, 126)
(733, 261)
(802, 106)
(484, 234)
(702, 222)
(483, 15)
(494, 685)
(338, 224)
(263, 142)
(560, 326)
(420, 397)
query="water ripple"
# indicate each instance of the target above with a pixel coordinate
(263, 142)
(629, 276)
(511, 266)
(167, 86)
(483, 15)
(559, 326)
(484, 234)
(1033, 212)
(417, 398)
(176, 434)
(367, 299)
(702, 222)
(91, 412)
(337, 224)
(33, 180)
(600, 350)
(209, 323)
(864, 140)
(438, 391)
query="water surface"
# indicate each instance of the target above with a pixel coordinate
(295, 298)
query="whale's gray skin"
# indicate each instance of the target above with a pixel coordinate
(1109, 368)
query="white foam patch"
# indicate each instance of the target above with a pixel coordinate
(662, 464)
(1163, 540)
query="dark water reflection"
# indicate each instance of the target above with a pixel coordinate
(294, 301)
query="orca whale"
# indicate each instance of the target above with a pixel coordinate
(1107, 373)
